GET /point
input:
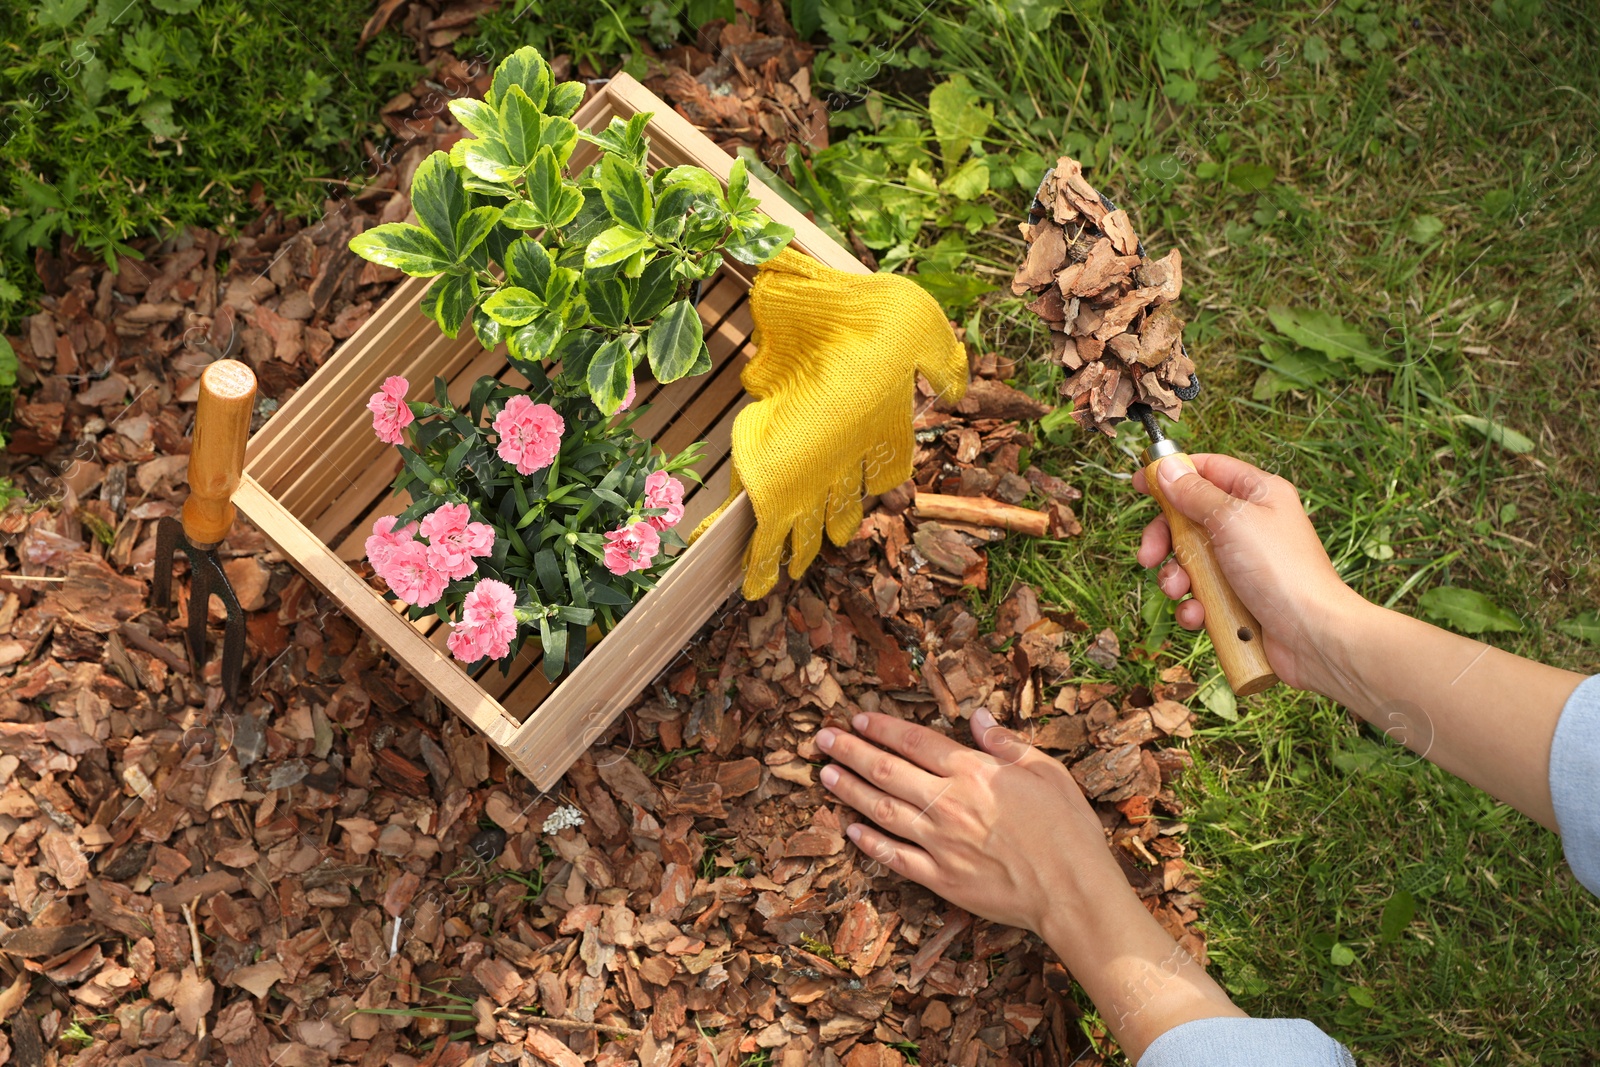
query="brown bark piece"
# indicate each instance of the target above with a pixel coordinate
(1044, 256)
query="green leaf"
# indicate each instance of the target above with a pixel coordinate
(953, 289)
(1341, 955)
(626, 195)
(654, 292)
(416, 465)
(448, 300)
(614, 246)
(1468, 611)
(574, 350)
(1502, 435)
(512, 305)
(544, 182)
(1424, 228)
(757, 244)
(558, 291)
(548, 570)
(959, 121)
(738, 188)
(624, 138)
(528, 264)
(554, 641)
(488, 331)
(474, 226)
(520, 121)
(565, 99)
(1293, 367)
(475, 184)
(535, 341)
(1398, 912)
(8, 365)
(674, 342)
(492, 161)
(60, 13)
(552, 201)
(404, 247)
(439, 199)
(608, 374)
(608, 301)
(1219, 699)
(1251, 177)
(1585, 627)
(478, 117)
(1328, 334)
(525, 68)
(559, 135)
(970, 181)
(806, 17)
(1315, 51)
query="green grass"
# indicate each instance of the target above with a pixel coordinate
(1424, 171)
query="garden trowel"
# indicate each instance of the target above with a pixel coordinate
(221, 428)
(1234, 632)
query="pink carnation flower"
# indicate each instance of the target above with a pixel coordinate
(465, 644)
(631, 548)
(530, 434)
(453, 540)
(390, 415)
(488, 623)
(662, 490)
(384, 540)
(412, 577)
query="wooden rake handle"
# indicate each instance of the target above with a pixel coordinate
(221, 428)
(1234, 632)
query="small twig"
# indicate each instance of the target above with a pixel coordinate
(578, 1024)
(194, 946)
(30, 578)
(194, 933)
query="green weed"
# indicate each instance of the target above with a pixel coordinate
(126, 120)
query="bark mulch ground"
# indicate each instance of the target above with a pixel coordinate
(341, 871)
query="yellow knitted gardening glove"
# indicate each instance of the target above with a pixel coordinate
(837, 356)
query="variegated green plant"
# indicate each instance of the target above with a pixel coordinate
(592, 268)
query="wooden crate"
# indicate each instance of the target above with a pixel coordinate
(316, 477)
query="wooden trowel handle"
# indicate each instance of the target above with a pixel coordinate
(1234, 631)
(221, 428)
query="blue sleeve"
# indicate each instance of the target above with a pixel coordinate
(1233, 1042)
(1575, 793)
(1575, 781)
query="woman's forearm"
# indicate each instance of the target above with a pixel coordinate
(1481, 713)
(1142, 982)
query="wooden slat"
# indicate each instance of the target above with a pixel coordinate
(354, 360)
(343, 456)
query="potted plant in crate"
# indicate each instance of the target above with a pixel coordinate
(537, 510)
